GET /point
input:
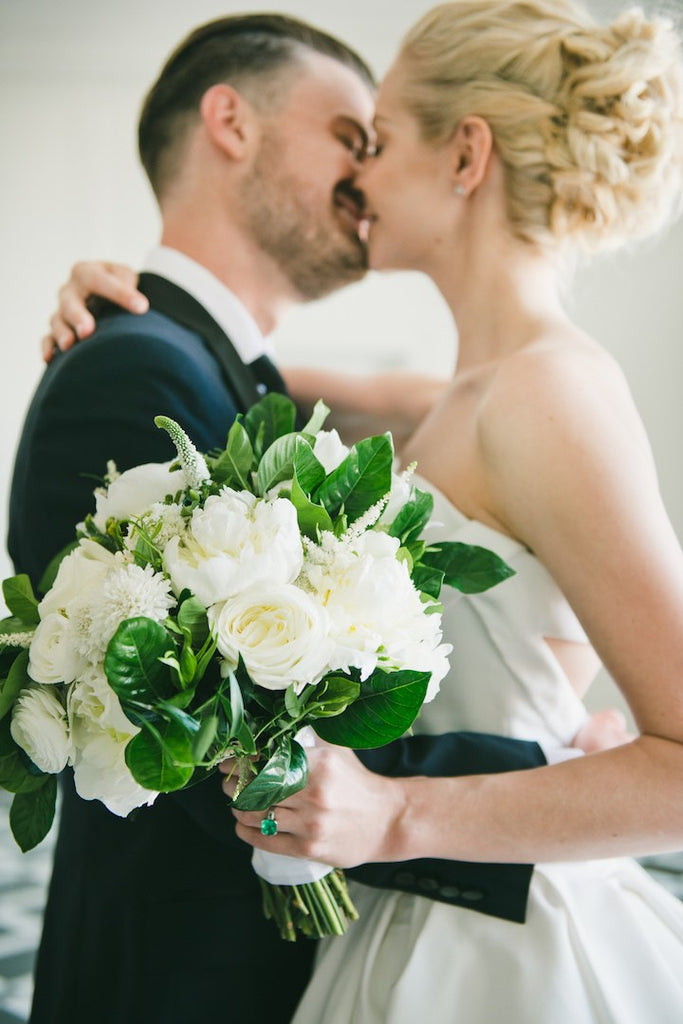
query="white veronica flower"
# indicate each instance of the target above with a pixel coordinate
(40, 727)
(235, 537)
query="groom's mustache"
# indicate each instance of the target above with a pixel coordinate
(350, 198)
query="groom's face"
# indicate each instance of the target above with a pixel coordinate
(300, 200)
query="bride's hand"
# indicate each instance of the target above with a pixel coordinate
(72, 319)
(346, 815)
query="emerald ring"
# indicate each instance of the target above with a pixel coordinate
(269, 824)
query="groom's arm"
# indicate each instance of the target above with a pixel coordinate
(497, 889)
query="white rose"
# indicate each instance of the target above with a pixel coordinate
(101, 773)
(234, 538)
(39, 726)
(82, 568)
(280, 632)
(53, 657)
(329, 449)
(134, 491)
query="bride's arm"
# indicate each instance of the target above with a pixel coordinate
(572, 476)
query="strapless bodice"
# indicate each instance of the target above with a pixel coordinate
(504, 677)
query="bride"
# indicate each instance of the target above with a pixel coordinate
(511, 133)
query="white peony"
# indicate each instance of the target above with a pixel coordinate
(40, 727)
(101, 773)
(280, 632)
(132, 493)
(234, 538)
(329, 449)
(377, 619)
(53, 657)
(93, 705)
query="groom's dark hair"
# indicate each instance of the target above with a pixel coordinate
(240, 50)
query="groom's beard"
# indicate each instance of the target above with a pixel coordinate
(312, 245)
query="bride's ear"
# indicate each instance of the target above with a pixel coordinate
(472, 145)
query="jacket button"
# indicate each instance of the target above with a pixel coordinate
(404, 878)
(449, 892)
(472, 895)
(427, 884)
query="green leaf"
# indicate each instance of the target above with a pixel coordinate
(233, 466)
(428, 580)
(204, 737)
(467, 567)
(309, 471)
(268, 419)
(160, 757)
(17, 678)
(50, 574)
(31, 814)
(237, 712)
(284, 774)
(310, 517)
(192, 616)
(277, 463)
(318, 417)
(413, 517)
(132, 663)
(387, 706)
(20, 599)
(333, 696)
(360, 480)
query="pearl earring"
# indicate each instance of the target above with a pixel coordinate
(459, 189)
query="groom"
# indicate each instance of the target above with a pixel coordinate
(251, 137)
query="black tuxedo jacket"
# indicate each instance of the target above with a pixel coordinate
(156, 918)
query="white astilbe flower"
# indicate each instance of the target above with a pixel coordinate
(161, 523)
(126, 592)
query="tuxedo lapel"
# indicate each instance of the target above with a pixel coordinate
(172, 301)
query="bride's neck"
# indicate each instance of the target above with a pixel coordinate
(502, 295)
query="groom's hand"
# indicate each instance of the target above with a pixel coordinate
(72, 321)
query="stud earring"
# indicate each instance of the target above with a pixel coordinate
(459, 189)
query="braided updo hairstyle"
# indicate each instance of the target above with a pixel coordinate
(588, 121)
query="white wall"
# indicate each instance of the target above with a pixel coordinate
(71, 77)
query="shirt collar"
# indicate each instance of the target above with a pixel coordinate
(216, 298)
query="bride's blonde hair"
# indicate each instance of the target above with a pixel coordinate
(588, 121)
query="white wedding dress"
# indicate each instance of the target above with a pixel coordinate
(602, 943)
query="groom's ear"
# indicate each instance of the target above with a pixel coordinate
(472, 145)
(229, 120)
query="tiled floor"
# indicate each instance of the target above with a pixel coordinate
(23, 881)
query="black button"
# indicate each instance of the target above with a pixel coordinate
(404, 878)
(449, 892)
(427, 884)
(472, 895)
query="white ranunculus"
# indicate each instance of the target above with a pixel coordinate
(377, 619)
(329, 449)
(82, 568)
(39, 726)
(235, 538)
(101, 773)
(53, 657)
(280, 632)
(134, 491)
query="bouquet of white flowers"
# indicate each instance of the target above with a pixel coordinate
(215, 607)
